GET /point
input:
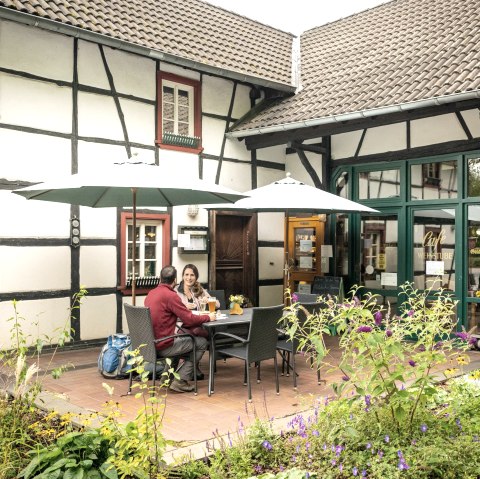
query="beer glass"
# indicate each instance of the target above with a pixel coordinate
(212, 303)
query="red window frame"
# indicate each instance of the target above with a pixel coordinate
(166, 256)
(197, 112)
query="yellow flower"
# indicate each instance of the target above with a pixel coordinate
(463, 360)
(450, 371)
(477, 294)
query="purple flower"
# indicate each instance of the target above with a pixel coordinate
(411, 312)
(421, 348)
(423, 428)
(355, 471)
(402, 465)
(412, 363)
(369, 445)
(345, 378)
(364, 329)
(438, 345)
(315, 433)
(266, 445)
(388, 333)
(364, 473)
(463, 335)
(294, 297)
(387, 438)
(368, 400)
(378, 318)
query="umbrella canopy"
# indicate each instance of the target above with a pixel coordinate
(129, 184)
(288, 195)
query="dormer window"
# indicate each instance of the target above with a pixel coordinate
(179, 122)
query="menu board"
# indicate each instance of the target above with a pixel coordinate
(331, 285)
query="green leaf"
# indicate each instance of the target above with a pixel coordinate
(74, 473)
(108, 470)
(93, 474)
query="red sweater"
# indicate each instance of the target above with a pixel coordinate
(165, 307)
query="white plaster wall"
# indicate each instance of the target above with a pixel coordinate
(199, 260)
(472, 119)
(271, 226)
(210, 168)
(98, 117)
(271, 295)
(98, 266)
(43, 318)
(216, 95)
(180, 71)
(36, 51)
(31, 218)
(438, 129)
(236, 149)
(31, 268)
(266, 176)
(294, 166)
(236, 176)
(179, 164)
(140, 121)
(91, 71)
(132, 74)
(275, 154)
(270, 263)
(36, 104)
(98, 222)
(384, 138)
(213, 131)
(241, 104)
(139, 301)
(32, 157)
(98, 317)
(344, 145)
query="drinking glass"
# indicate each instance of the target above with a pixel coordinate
(203, 305)
(212, 303)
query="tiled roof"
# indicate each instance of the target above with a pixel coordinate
(399, 52)
(191, 29)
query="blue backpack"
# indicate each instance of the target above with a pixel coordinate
(112, 361)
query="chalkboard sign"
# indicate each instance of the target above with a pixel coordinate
(332, 285)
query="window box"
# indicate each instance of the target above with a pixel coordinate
(180, 140)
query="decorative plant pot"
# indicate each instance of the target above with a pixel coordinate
(235, 309)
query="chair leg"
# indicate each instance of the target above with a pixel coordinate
(258, 372)
(130, 380)
(282, 354)
(195, 391)
(246, 373)
(293, 371)
(247, 369)
(211, 370)
(288, 364)
(276, 374)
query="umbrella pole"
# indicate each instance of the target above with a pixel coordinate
(134, 243)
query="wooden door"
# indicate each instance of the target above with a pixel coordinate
(233, 253)
(305, 238)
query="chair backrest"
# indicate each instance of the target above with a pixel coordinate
(220, 295)
(141, 331)
(263, 333)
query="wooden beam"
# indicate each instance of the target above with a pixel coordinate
(314, 148)
(285, 136)
(310, 169)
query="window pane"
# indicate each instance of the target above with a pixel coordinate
(168, 126)
(434, 248)
(304, 255)
(342, 185)
(137, 268)
(183, 129)
(473, 249)
(168, 94)
(183, 97)
(183, 114)
(168, 111)
(150, 268)
(341, 246)
(473, 177)
(473, 315)
(150, 233)
(379, 252)
(150, 251)
(379, 184)
(434, 180)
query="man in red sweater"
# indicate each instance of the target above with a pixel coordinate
(165, 307)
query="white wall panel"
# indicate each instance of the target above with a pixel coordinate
(384, 138)
(180, 71)
(43, 318)
(98, 222)
(275, 154)
(294, 166)
(270, 263)
(140, 121)
(212, 135)
(241, 104)
(36, 51)
(271, 295)
(91, 70)
(236, 176)
(98, 117)
(20, 217)
(266, 176)
(132, 74)
(32, 157)
(36, 104)
(179, 164)
(210, 169)
(472, 119)
(98, 318)
(98, 266)
(216, 95)
(344, 145)
(271, 226)
(437, 129)
(236, 149)
(31, 268)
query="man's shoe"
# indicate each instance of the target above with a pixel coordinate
(181, 386)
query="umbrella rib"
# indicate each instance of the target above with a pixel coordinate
(104, 192)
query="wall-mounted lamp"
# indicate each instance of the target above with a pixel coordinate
(75, 232)
(192, 211)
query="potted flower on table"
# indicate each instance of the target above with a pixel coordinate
(236, 302)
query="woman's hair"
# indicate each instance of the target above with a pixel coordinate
(197, 289)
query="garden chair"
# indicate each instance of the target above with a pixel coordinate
(142, 337)
(260, 344)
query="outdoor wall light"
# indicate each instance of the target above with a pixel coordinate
(75, 232)
(192, 211)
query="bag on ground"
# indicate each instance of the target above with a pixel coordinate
(112, 361)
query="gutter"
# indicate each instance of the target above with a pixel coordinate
(89, 36)
(343, 117)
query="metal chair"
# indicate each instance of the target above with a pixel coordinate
(288, 347)
(260, 344)
(141, 334)
(220, 295)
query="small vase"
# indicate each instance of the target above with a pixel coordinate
(235, 309)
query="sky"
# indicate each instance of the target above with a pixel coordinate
(296, 16)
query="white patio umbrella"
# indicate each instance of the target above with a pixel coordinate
(129, 184)
(288, 195)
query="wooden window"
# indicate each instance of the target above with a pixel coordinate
(152, 249)
(179, 115)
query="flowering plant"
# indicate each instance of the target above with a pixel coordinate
(237, 298)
